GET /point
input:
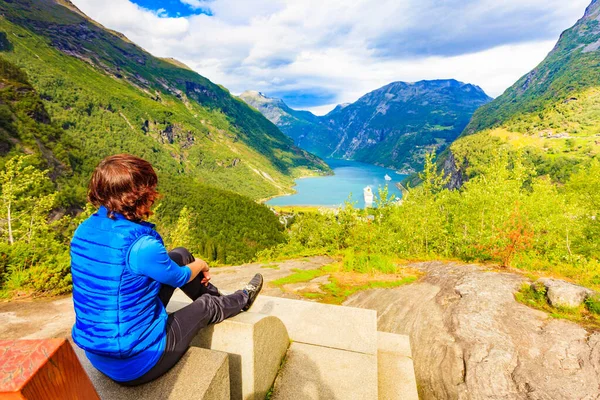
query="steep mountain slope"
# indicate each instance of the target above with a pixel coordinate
(392, 126)
(111, 96)
(305, 128)
(222, 225)
(398, 123)
(551, 114)
(25, 126)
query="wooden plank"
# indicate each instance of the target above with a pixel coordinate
(42, 369)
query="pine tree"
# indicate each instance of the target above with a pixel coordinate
(181, 235)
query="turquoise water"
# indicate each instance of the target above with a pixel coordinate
(350, 177)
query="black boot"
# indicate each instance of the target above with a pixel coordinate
(252, 289)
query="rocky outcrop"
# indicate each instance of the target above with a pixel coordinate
(455, 175)
(564, 294)
(472, 340)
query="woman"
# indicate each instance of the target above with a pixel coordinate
(123, 279)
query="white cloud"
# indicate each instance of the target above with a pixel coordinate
(194, 3)
(337, 50)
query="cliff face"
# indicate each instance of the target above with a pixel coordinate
(398, 123)
(392, 126)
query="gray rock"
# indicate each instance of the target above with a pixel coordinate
(471, 339)
(564, 294)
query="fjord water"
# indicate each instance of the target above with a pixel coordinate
(350, 178)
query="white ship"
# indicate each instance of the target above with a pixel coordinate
(368, 195)
(388, 178)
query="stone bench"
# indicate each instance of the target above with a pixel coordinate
(256, 345)
(200, 375)
(396, 369)
(333, 352)
(312, 372)
(338, 327)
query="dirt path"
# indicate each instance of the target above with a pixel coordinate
(471, 339)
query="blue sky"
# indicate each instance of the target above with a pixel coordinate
(318, 53)
(171, 8)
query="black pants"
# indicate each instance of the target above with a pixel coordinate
(208, 307)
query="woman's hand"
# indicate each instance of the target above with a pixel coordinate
(200, 266)
(206, 278)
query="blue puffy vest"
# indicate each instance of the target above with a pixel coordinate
(118, 313)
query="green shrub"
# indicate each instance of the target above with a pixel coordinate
(367, 263)
(593, 304)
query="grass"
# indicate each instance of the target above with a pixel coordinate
(301, 209)
(343, 283)
(300, 275)
(587, 315)
(269, 394)
(271, 266)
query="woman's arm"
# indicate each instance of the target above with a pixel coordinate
(149, 257)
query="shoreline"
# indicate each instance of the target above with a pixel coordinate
(263, 201)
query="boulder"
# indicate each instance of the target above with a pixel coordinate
(564, 294)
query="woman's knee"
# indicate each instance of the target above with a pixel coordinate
(181, 256)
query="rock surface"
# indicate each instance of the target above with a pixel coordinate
(471, 339)
(564, 294)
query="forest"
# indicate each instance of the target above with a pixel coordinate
(43, 189)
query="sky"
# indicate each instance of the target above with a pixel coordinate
(315, 54)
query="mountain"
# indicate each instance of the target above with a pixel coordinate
(551, 114)
(392, 126)
(306, 129)
(107, 95)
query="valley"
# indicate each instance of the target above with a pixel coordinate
(500, 199)
(393, 126)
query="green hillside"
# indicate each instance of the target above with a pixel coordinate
(111, 96)
(71, 93)
(551, 114)
(38, 176)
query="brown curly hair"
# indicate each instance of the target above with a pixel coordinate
(124, 184)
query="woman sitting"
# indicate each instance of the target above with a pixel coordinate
(123, 278)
